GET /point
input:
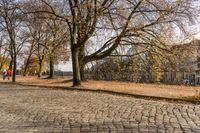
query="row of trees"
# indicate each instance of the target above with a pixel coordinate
(91, 29)
(146, 66)
(26, 36)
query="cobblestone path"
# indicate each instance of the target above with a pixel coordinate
(29, 109)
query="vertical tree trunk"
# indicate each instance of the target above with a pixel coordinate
(26, 67)
(28, 61)
(40, 69)
(11, 64)
(51, 65)
(14, 69)
(1, 66)
(76, 67)
(82, 72)
(81, 62)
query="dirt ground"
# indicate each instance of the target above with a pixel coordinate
(160, 90)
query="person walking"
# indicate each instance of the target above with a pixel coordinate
(4, 73)
(8, 73)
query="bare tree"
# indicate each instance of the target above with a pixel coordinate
(29, 52)
(41, 40)
(124, 23)
(57, 44)
(12, 24)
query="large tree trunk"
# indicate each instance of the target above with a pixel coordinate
(28, 61)
(51, 65)
(40, 69)
(11, 64)
(81, 62)
(26, 67)
(82, 74)
(14, 69)
(76, 67)
(1, 66)
(82, 71)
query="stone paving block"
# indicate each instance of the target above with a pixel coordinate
(46, 110)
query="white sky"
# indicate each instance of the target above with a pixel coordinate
(65, 66)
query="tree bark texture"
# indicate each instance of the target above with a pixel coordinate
(51, 65)
(76, 67)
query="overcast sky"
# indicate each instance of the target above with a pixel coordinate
(65, 67)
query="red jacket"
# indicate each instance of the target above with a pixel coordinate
(8, 72)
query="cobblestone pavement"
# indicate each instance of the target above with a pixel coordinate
(28, 109)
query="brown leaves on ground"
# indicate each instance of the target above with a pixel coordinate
(160, 90)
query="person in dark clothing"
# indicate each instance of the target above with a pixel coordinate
(4, 73)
